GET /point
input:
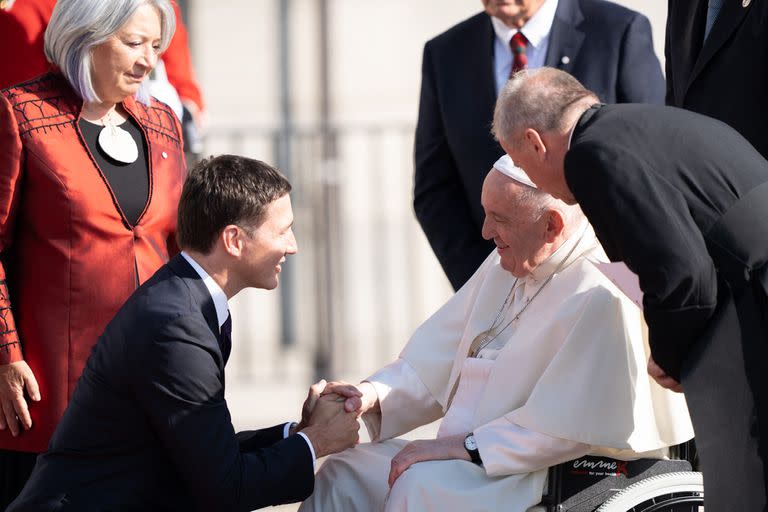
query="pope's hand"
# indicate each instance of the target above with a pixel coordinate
(361, 398)
(444, 448)
(661, 377)
(14, 378)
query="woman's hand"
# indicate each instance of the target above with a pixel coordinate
(444, 448)
(14, 378)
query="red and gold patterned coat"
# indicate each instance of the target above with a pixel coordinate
(68, 256)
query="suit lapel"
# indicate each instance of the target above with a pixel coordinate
(565, 36)
(684, 43)
(478, 54)
(197, 288)
(731, 15)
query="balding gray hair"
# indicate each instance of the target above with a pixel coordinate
(77, 26)
(536, 99)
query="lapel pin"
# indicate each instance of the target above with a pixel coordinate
(745, 3)
(566, 59)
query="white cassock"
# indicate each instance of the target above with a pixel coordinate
(568, 378)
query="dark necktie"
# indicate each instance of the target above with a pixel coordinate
(518, 44)
(226, 338)
(713, 9)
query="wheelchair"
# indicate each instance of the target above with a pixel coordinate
(601, 484)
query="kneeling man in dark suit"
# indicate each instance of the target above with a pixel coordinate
(148, 427)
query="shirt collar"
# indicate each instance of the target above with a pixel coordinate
(535, 30)
(548, 266)
(217, 294)
(570, 135)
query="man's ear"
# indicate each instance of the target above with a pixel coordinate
(555, 225)
(231, 238)
(536, 143)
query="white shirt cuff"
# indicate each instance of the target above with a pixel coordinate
(311, 448)
(286, 433)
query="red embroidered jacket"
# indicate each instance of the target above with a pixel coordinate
(68, 256)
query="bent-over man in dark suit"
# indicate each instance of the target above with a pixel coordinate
(682, 199)
(148, 426)
(717, 63)
(606, 46)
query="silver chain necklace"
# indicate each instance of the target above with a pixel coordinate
(483, 339)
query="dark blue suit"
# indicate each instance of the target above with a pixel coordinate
(148, 427)
(608, 48)
(726, 76)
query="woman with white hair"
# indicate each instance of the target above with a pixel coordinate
(91, 169)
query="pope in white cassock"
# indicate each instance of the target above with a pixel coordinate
(537, 360)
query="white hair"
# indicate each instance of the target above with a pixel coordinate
(77, 26)
(535, 203)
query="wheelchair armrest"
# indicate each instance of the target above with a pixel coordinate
(582, 484)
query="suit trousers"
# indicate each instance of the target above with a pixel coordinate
(15, 468)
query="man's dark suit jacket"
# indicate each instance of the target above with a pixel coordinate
(607, 47)
(725, 77)
(682, 199)
(148, 427)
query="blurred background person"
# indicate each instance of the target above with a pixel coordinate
(607, 47)
(716, 52)
(91, 169)
(22, 25)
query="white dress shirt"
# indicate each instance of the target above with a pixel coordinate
(536, 31)
(222, 312)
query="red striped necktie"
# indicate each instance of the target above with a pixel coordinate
(519, 59)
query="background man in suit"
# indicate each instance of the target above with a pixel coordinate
(608, 47)
(690, 218)
(148, 426)
(716, 53)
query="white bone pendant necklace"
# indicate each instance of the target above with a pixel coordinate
(117, 143)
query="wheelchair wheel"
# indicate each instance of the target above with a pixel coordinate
(669, 492)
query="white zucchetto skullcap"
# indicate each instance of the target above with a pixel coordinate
(507, 167)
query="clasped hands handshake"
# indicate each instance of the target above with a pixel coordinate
(329, 418)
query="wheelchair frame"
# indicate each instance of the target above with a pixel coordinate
(602, 484)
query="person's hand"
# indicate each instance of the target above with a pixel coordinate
(330, 428)
(14, 379)
(444, 448)
(309, 404)
(661, 377)
(198, 116)
(361, 398)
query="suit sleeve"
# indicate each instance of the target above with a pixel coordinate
(250, 440)
(645, 222)
(11, 165)
(640, 77)
(183, 397)
(439, 200)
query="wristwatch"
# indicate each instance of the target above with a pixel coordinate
(471, 446)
